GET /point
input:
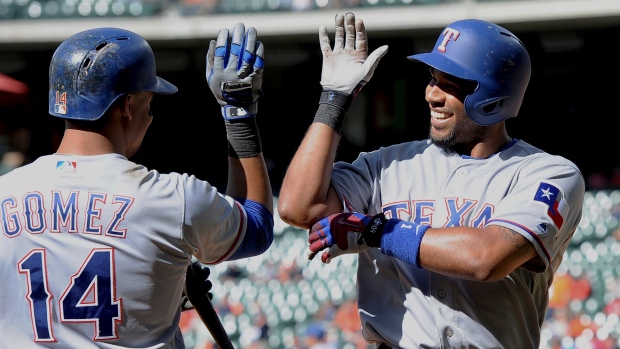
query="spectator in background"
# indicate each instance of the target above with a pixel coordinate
(560, 290)
(256, 335)
(557, 324)
(316, 337)
(347, 320)
(581, 290)
(14, 143)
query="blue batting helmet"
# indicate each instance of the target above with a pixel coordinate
(495, 58)
(93, 68)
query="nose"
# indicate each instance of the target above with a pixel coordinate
(434, 94)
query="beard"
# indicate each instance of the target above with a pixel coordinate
(462, 137)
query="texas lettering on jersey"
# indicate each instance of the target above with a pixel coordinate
(59, 212)
(459, 209)
(422, 211)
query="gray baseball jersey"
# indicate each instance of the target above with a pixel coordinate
(94, 250)
(536, 194)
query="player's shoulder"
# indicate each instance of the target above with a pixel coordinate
(536, 160)
(404, 150)
(535, 154)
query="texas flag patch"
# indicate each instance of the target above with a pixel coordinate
(557, 207)
(66, 166)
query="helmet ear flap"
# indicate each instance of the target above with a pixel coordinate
(492, 108)
(484, 112)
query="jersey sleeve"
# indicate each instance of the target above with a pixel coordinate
(544, 206)
(361, 184)
(214, 223)
(355, 183)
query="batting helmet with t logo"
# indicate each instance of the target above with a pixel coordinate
(490, 55)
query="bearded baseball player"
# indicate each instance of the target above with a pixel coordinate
(95, 247)
(458, 235)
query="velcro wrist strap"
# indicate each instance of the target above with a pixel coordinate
(231, 112)
(374, 230)
(337, 99)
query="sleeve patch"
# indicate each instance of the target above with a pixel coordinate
(557, 207)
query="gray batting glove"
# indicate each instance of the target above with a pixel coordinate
(347, 67)
(235, 72)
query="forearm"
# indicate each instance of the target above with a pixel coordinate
(247, 172)
(481, 254)
(248, 179)
(304, 191)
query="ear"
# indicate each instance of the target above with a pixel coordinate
(126, 106)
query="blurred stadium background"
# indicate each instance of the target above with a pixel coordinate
(279, 299)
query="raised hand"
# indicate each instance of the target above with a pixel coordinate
(235, 71)
(347, 67)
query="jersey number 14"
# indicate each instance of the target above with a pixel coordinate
(89, 297)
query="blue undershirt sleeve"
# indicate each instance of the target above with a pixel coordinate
(259, 232)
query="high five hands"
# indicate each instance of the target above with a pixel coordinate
(347, 67)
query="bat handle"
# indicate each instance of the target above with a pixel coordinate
(222, 340)
(207, 313)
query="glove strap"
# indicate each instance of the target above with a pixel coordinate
(373, 231)
(231, 112)
(336, 98)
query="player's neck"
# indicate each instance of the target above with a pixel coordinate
(81, 142)
(490, 146)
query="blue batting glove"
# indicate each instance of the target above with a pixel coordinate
(235, 72)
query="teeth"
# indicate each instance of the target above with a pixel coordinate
(437, 115)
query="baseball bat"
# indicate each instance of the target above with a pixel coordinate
(207, 313)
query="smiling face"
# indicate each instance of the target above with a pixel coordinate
(451, 129)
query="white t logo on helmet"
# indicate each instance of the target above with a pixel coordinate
(449, 33)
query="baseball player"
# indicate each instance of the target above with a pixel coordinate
(94, 248)
(458, 235)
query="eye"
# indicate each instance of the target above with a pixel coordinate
(451, 88)
(433, 81)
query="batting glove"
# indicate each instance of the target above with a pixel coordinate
(235, 72)
(198, 283)
(348, 67)
(343, 233)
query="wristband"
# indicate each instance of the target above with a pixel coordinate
(243, 138)
(333, 108)
(401, 239)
